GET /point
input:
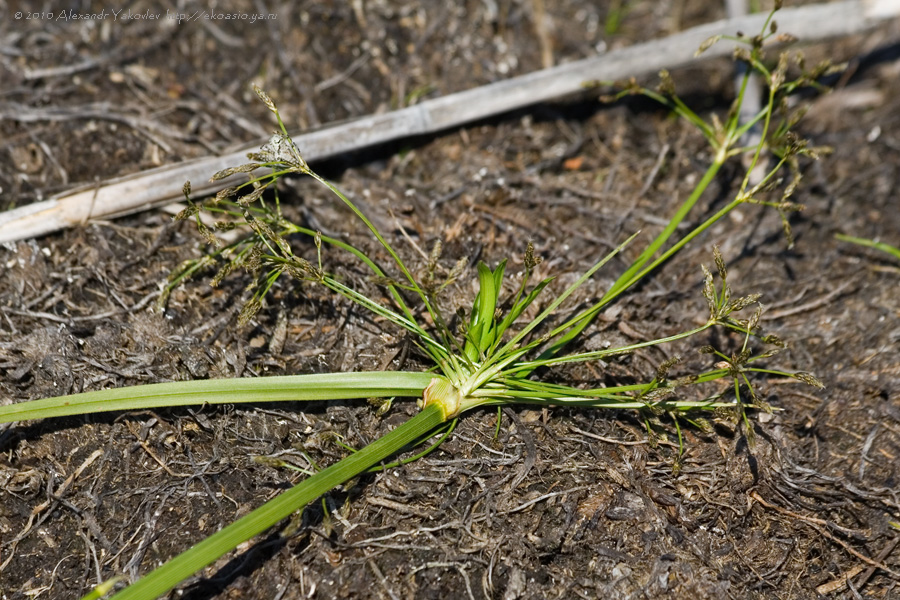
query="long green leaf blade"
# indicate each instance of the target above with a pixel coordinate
(869, 244)
(190, 561)
(633, 274)
(324, 386)
(517, 310)
(482, 311)
(556, 302)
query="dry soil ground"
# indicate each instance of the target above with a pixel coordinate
(564, 503)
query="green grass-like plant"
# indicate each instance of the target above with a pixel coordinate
(495, 358)
(867, 243)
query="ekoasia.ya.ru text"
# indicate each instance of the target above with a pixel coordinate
(213, 16)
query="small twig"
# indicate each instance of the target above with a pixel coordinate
(53, 497)
(63, 174)
(539, 17)
(398, 507)
(606, 439)
(525, 505)
(811, 520)
(56, 318)
(660, 161)
(120, 54)
(407, 237)
(853, 590)
(226, 39)
(818, 302)
(837, 585)
(100, 111)
(530, 448)
(870, 439)
(818, 524)
(444, 565)
(882, 556)
(342, 76)
(381, 579)
(873, 563)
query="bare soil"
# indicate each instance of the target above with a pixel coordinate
(563, 503)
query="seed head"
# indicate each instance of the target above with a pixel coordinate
(265, 98)
(666, 85)
(707, 44)
(249, 310)
(531, 261)
(809, 379)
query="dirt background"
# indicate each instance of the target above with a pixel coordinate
(564, 503)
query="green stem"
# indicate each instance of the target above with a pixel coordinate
(627, 278)
(384, 243)
(869, 244)
(189, 562)
(509, 353)
(635, 272)
(634, 404)
(366, 260)
(326, 386)
(598, 354)
(671, 251)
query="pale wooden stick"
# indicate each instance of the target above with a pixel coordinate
(163, 185)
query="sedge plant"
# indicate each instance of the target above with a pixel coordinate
(495, 356)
